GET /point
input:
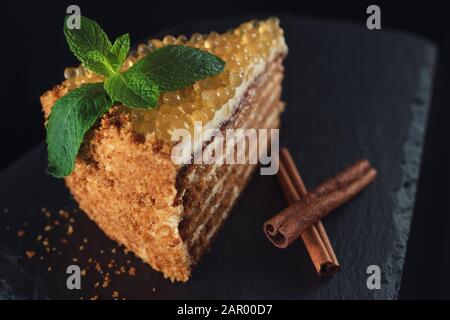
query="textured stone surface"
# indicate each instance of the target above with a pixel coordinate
(350, 93)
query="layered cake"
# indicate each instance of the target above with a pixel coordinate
(124, 177)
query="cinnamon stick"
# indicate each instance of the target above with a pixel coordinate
(315, 237)
(288, 225)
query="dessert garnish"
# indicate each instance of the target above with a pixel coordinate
(315, 237)
(165, 69)
(285, 227)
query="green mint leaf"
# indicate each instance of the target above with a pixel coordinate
(71, 117)
(101, 63)
(90, 38)
(174, 66)
(133, 89)
(120, 50)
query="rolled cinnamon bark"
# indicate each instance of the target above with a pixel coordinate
(315, 237)
(288, 225)
(343, 178)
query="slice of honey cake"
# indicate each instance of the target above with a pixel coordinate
(124, 177)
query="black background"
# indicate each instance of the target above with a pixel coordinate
(34, 55)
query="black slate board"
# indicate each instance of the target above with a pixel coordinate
(350, 93)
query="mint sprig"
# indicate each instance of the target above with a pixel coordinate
(165, 69)
(71, 117)
(174, 67)
(120, 50)
(132, 89)
(90, 45)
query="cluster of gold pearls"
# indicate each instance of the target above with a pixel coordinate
(239, 48)
(75, 77)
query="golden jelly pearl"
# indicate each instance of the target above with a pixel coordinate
(143, 49)
(248, 37)
(169, 40)
(197, 87)
(200, 44)
(199, 115)
(231, 91)
(134, 55)
(255, 24)
(188, 94)
(209, 44)
(236, 78)
(219, 50)
(150, 126)
(209, 111)
(151, 115)
(246, 26)
(88, 73)
(274, 20)
(209, 97)
(70, 73)
(227, 48)
(150, 45)
(224, 94)
(234, 66)
(156, 43)
(213, 35)
(70, 83)
(264, 28)
(82, 70)
(139, 127)
(170, 125)
(196, 37)
(181, 123)
(187, 121)
(163, 121)
(181, 39)
(127, 64)
(137, 115)
(171, 98)
(80, 80)
(187, 108)
(166, 109)
(165, 133)
(235, 47)
(204, 84)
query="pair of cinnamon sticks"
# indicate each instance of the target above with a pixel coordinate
(302, 217)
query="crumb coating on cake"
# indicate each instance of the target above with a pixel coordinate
(126, 184)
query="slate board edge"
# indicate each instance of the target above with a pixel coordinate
(412, 151)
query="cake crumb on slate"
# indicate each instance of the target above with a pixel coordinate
(51, 238)
(30, 254)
